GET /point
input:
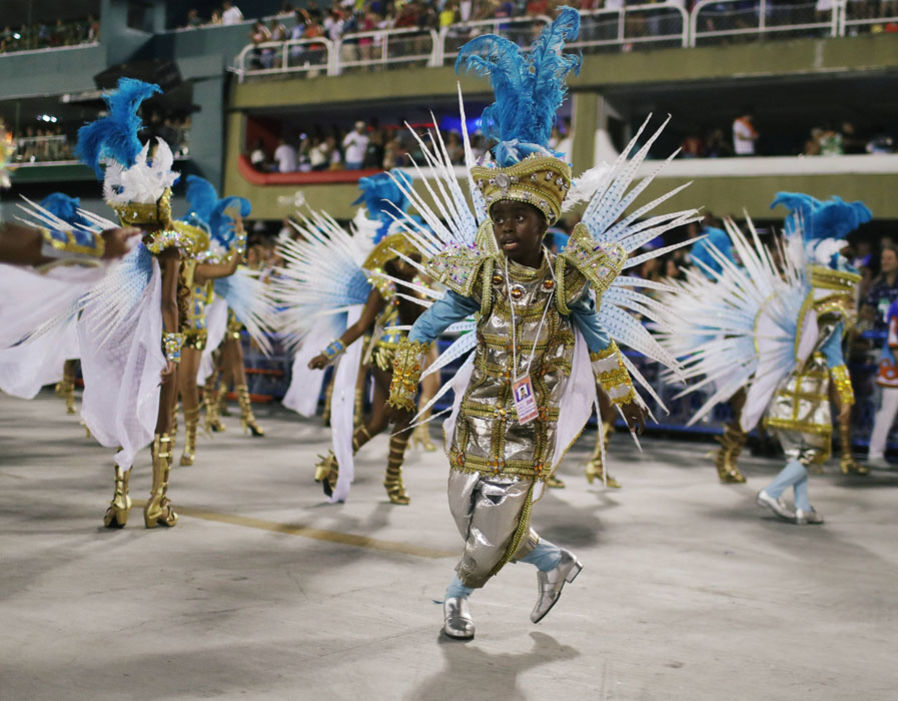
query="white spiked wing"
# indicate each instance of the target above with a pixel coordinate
(722, 324)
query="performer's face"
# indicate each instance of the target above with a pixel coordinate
(519, 229)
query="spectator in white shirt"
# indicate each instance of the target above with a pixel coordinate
(258, 157)
(355, 143)
(744, 135)
(230, 14)
(285, 155)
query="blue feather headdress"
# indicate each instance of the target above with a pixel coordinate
(115, 136)
(66, 208)
(701, 251)
(816, 220)
(529, 86)
(384, 198)
(205, 209)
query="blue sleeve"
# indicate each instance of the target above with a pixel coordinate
(832, 347)
(585, 318)
(441, 315)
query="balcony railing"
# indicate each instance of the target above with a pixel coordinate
(624, 29)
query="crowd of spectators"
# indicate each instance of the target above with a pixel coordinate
(46, 35)
(51, 142)
(745, 138)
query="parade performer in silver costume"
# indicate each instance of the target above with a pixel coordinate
(523, 396)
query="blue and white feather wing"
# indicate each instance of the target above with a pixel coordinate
(248, 298)
(322, 274)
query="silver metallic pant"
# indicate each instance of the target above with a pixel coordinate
(487, 511)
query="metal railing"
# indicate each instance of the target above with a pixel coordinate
(520, 30)
(723, 20)
(661, 24)
(382, 48)
(310, 56)
(622, 28)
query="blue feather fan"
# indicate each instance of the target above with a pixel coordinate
(384, 198)
(115, 136)
(529, 86)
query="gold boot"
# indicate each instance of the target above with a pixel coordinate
(393, 478)
(847, 463)
(731, 443)
(210, 404)
(327, 471)
(246, 412)
(595, 469)
(159, 510)
(117, 513)
(191, 419)
(358, 416)
(328, 396)
(421, 437)
(223, 402)
(65, 389)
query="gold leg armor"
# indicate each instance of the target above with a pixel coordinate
(327, 471)
(65, 389)
(117, 513)
(359, 407)
(159, 510)
(847, 463)
(191, 419)
(328, 396)
(223, 401)
(731, 443)
(210, 404)
(393, 478)
(595, 468)
(421, 437)
(246, 412)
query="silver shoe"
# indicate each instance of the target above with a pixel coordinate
(877, 462)
(777, 506)
(805, 517)
(551, 582)
(457, 621)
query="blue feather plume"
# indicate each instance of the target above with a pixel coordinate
(384, 198)
(65, 207)
(829, 219)
(529, 86)
(205, 208)
(716, 238)
(115, 136)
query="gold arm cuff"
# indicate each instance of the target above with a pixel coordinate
(406, 373)
(842, 381)
(612, 375)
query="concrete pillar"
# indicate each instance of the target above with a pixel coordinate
(585, 113)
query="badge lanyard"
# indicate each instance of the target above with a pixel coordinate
(522, 387)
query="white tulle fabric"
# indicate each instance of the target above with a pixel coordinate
(29, 300)
(27, 367)
(305, 383)
(342, 409)
(216, 325)
(120, 404)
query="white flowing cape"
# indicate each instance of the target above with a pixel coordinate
(122, 375)
(216, 325)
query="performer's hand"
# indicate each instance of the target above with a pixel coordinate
(319, 362)
(634, 413)
(119, 241)
(170, 367)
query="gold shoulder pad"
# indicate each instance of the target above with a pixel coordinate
(599, 264)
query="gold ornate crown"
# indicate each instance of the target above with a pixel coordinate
(834, 292)
(542, 181)
(838, 280)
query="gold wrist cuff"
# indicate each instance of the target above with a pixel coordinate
(611, 374)
(406, 373)
(843, 385)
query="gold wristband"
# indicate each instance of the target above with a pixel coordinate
(612, 375)
(406, 373)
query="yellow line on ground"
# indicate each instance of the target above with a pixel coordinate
(358, 541)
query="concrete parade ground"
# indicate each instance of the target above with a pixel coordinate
(265, 591)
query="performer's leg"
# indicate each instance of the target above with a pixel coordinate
(247, 418)
(556, 567)
(120, 507)
(65, 388)
(190, 363)
(847, 463)
(771, 495)
(231, 357)
(731, 443)
(882, 424)
(158, 510)
(210, 402)
(595, 468)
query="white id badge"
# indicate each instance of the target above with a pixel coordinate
(524, 401)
